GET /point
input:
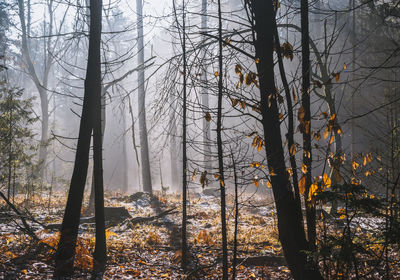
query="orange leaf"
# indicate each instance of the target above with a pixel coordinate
(302, 184)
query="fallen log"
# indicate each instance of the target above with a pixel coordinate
(266, 260)
(112, 215)
(138, 220)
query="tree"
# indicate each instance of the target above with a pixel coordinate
(305, 122)
(144, 149)
(184, 246)
(220, 150)
(204, 93)
(291, 232)
(90, 121)
(41, 81)
(16, 137)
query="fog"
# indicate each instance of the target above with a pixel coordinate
(331, 32)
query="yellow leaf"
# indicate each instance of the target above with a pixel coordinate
(222, 183)
(259, 147)
(342, 217)
(313, 190)
(326, 132)
(216, 74)
(368, 173)
(269, 185)
(327, 181)
(252, 164)
(301, 113)
(331, 141)
(293, 149)
(345, 66)
(272, 172)
(337, 77)
(208, 117)
(257, 60)
(355, 165)
(317, 135)
(302, 184)
(110, 233)
(304, 168)
(165, 275)
(255, 181)
(369, 157)
(294, 95)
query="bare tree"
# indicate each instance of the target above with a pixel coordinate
(144, 148)
(90, 121)
(41, 80)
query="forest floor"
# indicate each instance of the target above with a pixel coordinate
(149, 248)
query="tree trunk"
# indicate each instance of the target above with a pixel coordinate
(220, 151)
(44, 104)
(290, 133)
(100, 254)
(41, 86)
(184, 135)
(305, 122)
(144, 149)
(234, 258)
(204, 94)
(172, 144)
(103, 127)
(124, 153)
(69, 230)
(291, 233)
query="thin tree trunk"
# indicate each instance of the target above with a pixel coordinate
(144, 149)
(290, 133)
(99, 93)
(69, 230)
(124, 153)
(134, 139)
(291, 233)
(220, 151)
(305, 122)
(172, 143)
(204, 93)
(234, 259)
(184, 156)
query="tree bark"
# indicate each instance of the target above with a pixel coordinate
(144, 148)
(220, 151)
(69, 230)
(305, 122)
(184, 155)
(204, 94)
(291, 233)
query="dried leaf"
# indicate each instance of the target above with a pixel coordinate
(208, 117)
(302, 184)
(293, 149)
